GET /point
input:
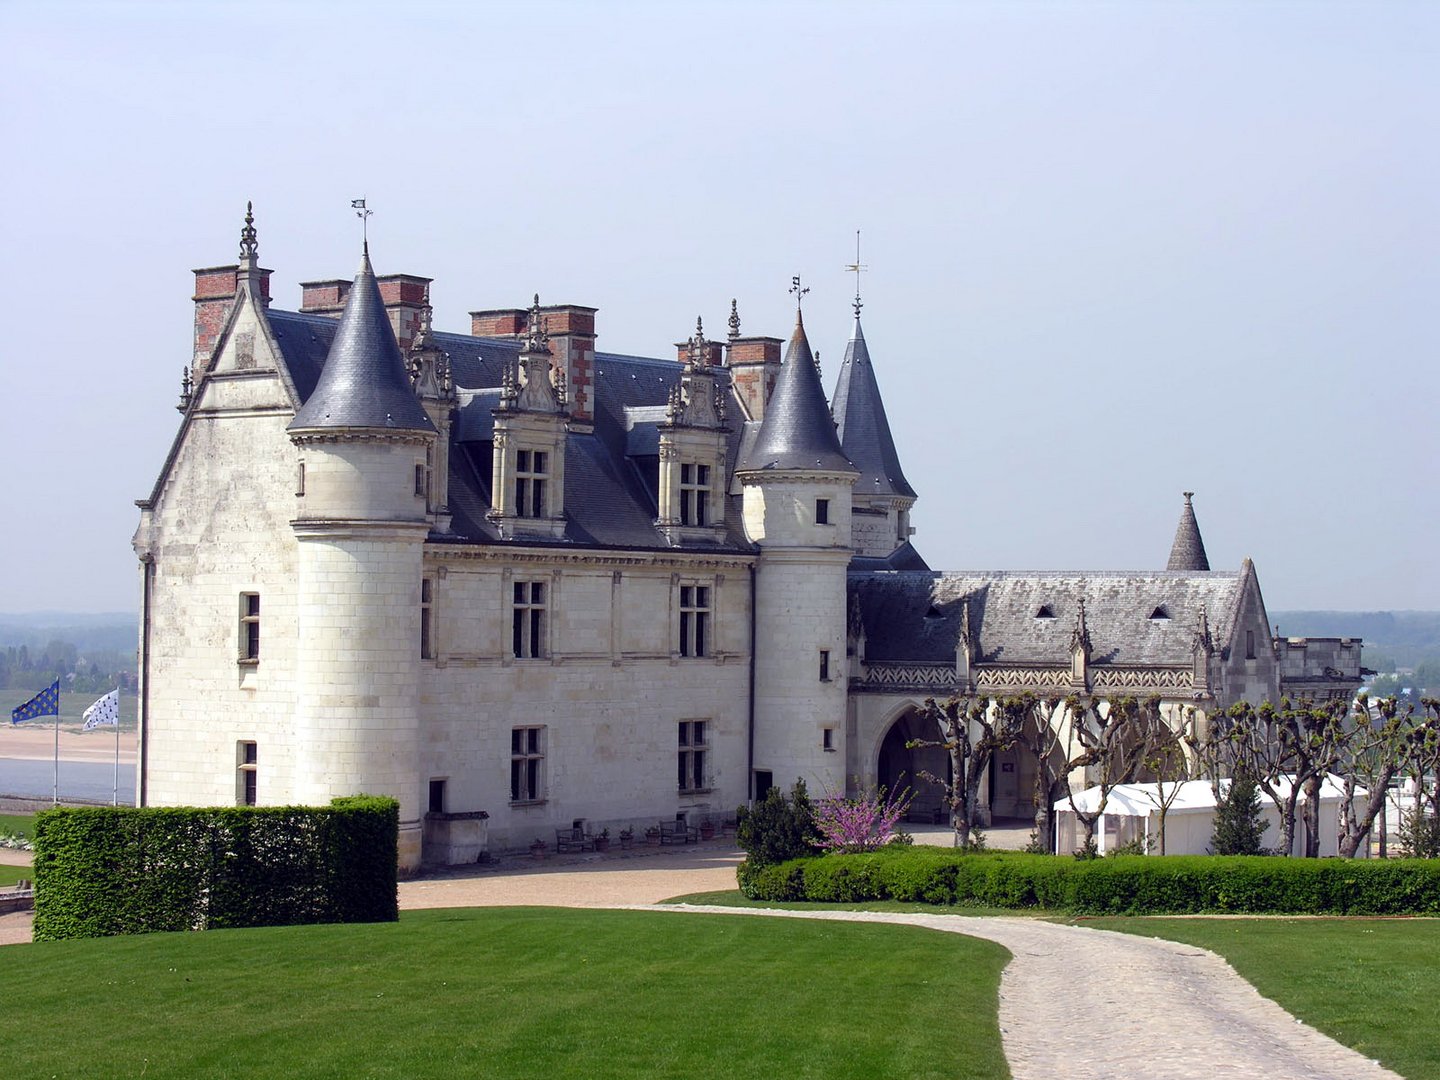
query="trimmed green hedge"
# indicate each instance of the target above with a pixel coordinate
(1121, 885)
(121, 870)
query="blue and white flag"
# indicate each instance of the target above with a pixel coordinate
(104, 711)
(45, 703)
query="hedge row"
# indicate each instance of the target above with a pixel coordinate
(1120, 885)
(121, 870)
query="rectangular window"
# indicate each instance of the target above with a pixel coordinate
(531, 475)
(764, 781)
(246, 759)
(827, 739)
(822, 511)
(824, 665)
(527, 764)
(300, 480)
(1249, 644)
(691, 763)
(249, 628)
(694, 620)
(437, 796)
(419, 479)
(694, 494)
(427, 630)
(528, 620)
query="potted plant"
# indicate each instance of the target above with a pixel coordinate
(537, 848)
(602, 842)
(707, 830)
(652, 835)
(627, 838)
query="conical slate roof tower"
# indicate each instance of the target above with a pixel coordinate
(363, 383)
(798, 432)
(1188, 551)
(862, 425)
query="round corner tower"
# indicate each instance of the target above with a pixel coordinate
(797, 485)
(361, 438)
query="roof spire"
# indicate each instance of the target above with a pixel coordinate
(1188, 551)
(536, 340)
(864, 429)
(734, 320)
(249, 247)
(857, 268)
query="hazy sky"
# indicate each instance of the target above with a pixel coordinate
(1116, 251)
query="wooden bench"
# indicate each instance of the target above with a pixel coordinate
(572, 840)
(677, 832)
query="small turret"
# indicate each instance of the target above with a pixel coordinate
(1188, 551)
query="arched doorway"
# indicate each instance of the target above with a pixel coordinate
(900, 767)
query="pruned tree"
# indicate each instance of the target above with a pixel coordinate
(1288, 751)
(1422, 760)
(971, 730)
(1163, 757)
(1104, 740)
(1375, 753)
(1039, 735)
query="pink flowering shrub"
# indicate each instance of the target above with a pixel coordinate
(862, 823)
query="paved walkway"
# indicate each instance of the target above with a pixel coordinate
(1075, 1003)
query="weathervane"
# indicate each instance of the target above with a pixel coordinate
(358, 205)
(857, 267)
(797, 290)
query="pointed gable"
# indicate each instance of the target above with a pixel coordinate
(798, 432)
(1188, 551)
(862, 425)
(363, 383)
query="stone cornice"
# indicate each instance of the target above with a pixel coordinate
(755, 477)
(440, 555)
(311, 436)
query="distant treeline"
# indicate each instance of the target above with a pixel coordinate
(22, 668)
(1405, 639)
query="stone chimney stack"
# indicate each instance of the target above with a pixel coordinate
(754, 366)
(571, 332)
(324, 297)
(406, 298)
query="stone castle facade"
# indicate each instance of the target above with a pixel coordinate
(507, 573)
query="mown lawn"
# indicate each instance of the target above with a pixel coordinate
(516, 992)
(735, 898)
(9, 875)
(1368, 983)
(18, 824)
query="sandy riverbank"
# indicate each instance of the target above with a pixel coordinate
(35, 741)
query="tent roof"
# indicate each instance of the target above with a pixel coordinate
(1141, 800)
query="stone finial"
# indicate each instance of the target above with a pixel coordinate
(507, 383)
(536, 340)
(187, 389)
(719, 403)
(816, 358)
(1080, 636)
(249, 245)
(696, 345)
(734, 320)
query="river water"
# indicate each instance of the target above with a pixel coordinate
(81, 781)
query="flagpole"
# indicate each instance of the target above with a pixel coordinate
(115, 795)
(55, 774)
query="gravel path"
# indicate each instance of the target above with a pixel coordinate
(1083, 1004)
(1145, 1009)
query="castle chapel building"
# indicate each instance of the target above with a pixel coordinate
(505, 572)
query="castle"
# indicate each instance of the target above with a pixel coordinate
(508, 574)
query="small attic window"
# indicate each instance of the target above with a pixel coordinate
(1159, 613)
(1045, 612)
(934, 613)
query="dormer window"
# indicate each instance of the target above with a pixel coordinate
(1160, 614)
(1045, 612)
(531, 477)
(694, 494)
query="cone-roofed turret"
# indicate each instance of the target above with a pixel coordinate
(863, 428)
(798, 432)
(1188, 551)
(363, 383)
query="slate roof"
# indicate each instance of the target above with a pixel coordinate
(797, 431)
(610, 475)
(362, 383)
(1188, 551)
(862, 425)
(916, 617)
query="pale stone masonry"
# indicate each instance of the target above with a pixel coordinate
(508, 578)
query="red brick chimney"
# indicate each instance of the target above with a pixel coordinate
(324, 297)
(405, 296)
(571, 329)
(215, 289)
(754, 365)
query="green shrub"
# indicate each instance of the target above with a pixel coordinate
(121, 870)
(778, 828)
(1122, 885)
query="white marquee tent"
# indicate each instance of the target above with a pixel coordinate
(1133, 811)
